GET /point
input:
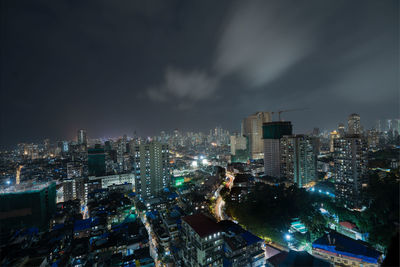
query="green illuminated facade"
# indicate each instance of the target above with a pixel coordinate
(178, 181)
(276, 129)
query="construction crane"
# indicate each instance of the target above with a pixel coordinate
(286, 110)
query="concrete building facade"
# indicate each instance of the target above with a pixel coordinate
(252, 128)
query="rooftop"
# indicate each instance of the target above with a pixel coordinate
(202, 224)
(28, 187)
(341, 244)
(349, 225)
(294, 258)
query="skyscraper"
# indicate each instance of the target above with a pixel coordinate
(332, 136)
(350, 165)
(151, 168)
(341, 129)
(299, 158)
(96, 161)
(252, 128)
(82, 140)
(394, 126)
(46, 146)
(354, 125)
(272, 133)
(373, 138)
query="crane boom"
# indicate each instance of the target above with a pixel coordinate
(287, 110)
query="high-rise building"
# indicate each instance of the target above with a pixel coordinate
(124, 144)
(96, 161)
(373, 138)
(286, 155)
(332, 136)
(31, 151)
(81, 137)
(151, 168)
(350, 165)
(252, 128)
(393, 126)
(69, 189)
(62, 146)
(299, 159)
(272, 133)
(108, 145)
(354, 125)
(46, 146)
(27, 205)
(18, 174)
(341, 129)
(239, 148)
(65, 146)
(378, 126)
(202, 241)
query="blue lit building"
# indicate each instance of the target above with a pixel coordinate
(342, 250)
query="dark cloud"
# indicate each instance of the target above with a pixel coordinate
(118, 66)
(262, 39)
(184, 87)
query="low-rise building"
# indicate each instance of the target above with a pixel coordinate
(295, 259)
(350, 229)
(117, 179)
(342, 250)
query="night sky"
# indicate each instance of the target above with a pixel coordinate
(113, 67)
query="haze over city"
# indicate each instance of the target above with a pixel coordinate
(160, 65)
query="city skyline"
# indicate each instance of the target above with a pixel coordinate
(380, 125)
(115, 68)
(199, 133)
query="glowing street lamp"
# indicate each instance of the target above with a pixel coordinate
(288, 237)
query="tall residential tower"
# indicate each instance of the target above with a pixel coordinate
(299, 159)
(81, 137)
(151, 168)
(272, 133)
(350, 164)
(354, 125)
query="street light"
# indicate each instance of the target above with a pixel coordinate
(288, 237)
